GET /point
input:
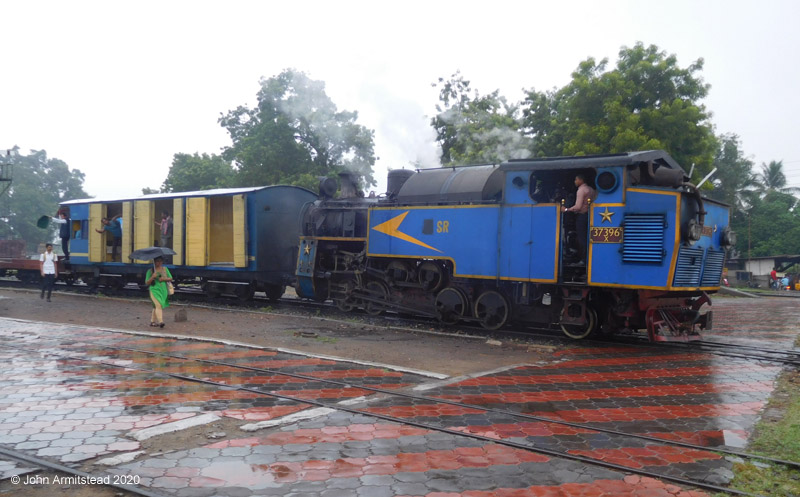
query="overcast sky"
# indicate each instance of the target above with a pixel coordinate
(116, 88)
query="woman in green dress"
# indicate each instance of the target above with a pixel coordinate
(157, 279)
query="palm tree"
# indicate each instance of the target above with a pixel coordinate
(772, 179)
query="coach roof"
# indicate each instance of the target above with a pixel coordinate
(159, 196)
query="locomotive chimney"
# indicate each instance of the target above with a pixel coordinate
(349, 185)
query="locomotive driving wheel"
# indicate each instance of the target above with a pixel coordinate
(377, 291)
(451, 304)
(400, 271)
(346, 304)
(492, 310)
(431, 276)
(579, 332)
(343, 297)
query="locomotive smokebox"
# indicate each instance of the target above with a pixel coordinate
(396, 179)
(349, 185)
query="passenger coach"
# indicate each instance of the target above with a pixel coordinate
(236, 241)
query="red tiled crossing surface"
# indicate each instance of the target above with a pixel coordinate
(693, 397)
(648, 413)
(603, 393)
(652, 455)
(617, 375)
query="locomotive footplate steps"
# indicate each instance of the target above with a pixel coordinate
(578, 319)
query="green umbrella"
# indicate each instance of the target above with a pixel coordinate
(43, 222)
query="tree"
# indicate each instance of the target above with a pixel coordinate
(734, 182)
(772, 179)
(774, 226)
(295, 134)
(198, 172)
(472, 128)
(39, 185)
(646, 102)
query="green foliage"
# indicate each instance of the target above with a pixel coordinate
(646, 102)
(766, 214)
(773, 227)
(198, 172)
(772, 178)
(475, 129)
(38, 185)
(294, 135)
(734, 182)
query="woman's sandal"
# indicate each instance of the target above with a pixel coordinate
(153, 325)
(160, 325)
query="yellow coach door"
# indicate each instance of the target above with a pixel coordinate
(127, 230)
(97, 245)
(177, 231)
(239, 231)
(196, 231)
(143, 225)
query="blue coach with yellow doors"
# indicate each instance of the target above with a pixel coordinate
(237, 241)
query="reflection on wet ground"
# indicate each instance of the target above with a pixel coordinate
(67, 395)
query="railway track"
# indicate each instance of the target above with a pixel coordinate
(72, 476)
(97, 358)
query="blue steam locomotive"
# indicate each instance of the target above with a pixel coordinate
(491, 244)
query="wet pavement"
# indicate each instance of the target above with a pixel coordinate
(77, 395)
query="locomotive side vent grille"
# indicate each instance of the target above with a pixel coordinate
(644, 238)
(712, 271)
(690, 263)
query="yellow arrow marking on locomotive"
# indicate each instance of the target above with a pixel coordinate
(392, 228)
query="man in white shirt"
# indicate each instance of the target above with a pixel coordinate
(49, 269)
(586, 194)
(63, 231)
